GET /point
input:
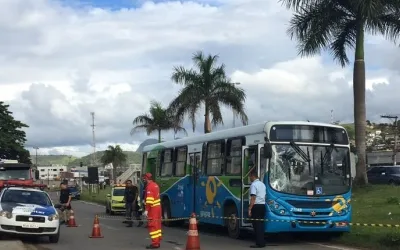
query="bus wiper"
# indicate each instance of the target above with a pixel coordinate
(300, 151)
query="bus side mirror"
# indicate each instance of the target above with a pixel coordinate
(267, 150)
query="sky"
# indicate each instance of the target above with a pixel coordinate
(62, 60)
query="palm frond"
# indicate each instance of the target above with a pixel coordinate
(388, 24)
(345, 33)
(296, 4)
(313, 25)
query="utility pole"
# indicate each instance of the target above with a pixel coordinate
(395, 117)
(94, 140)
(36, 149)
(332, 117)
(94, 149)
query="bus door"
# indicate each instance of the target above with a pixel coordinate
(195, 163)
(250, 163)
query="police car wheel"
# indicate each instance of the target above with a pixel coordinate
(56, 237)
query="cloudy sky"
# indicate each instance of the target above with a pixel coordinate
(61, 60)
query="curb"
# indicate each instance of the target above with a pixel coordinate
(92, 203)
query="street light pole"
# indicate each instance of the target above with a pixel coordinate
(36, 149)
(233, 111)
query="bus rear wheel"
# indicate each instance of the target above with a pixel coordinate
(232, 222)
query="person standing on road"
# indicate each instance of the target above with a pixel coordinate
(130, 197)
(257, 208)
(153, 211)
(65, 200)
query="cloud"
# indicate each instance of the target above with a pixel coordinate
(61, 61)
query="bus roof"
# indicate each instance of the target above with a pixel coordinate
(231, 133)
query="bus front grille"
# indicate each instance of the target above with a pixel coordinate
(310, 204)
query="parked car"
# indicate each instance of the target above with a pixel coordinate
(75, 192)
(384, 175)
(115, 200)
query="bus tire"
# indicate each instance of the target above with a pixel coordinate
(233, 224)
(166, 212)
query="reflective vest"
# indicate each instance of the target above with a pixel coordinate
(152, 196)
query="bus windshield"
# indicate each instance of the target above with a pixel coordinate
(14, 173)
(310, 170)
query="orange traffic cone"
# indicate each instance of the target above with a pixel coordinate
(71, 220)
(96, 233)
(193, 241)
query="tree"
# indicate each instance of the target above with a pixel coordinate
(12, 137)
(159, 119)
(207, 87)
(116, 156)
(339, 25)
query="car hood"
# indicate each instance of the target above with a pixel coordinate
(27, 209)
(117, 198)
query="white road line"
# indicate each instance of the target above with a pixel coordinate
(330, 246)
(92, 203)
(109, 227)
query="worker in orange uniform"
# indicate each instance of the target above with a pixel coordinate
(153, 211)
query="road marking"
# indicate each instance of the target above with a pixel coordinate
(92, 203)
(330, 246)
(109, 227)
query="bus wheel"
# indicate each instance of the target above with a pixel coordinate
(166, 213)
(233, 224)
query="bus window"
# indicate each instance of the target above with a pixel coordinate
(167, 164)
(234, 157)
(215, 157)
(180, 161)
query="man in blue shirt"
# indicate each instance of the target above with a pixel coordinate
(257, 208)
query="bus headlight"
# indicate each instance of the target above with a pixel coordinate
(6, 214)
(53, 217)
(276, 207)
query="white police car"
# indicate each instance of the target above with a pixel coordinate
(28, 211)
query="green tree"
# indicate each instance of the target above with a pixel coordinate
(12, 137)
(207, 87)
(116, 156)
(340, 25)
(159, 119)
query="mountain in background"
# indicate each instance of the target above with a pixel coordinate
(146, 143)
(43, 160)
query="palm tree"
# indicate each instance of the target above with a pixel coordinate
(207, 87)
(158, 120)
(116, 156)
(338, 25)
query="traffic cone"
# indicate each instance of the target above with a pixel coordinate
(193, 241)
(96, 233)
(71, 220)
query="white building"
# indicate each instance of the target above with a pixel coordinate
(51, 172)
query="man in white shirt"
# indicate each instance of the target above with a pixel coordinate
(257, 208)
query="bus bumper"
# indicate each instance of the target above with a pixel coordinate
(277, 224)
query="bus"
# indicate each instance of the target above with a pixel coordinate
(304, 165)
(14, 173)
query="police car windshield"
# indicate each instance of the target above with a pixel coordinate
(26, 197)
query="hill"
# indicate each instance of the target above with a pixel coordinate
(133, 158)
(43, 160)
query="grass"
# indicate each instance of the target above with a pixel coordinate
(375, 205)
(372, 204)
(99, 198)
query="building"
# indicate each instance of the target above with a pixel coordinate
(51, 172)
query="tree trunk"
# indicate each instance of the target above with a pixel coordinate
(359, 108)
(207, 121)
(114, 173)
(159, 135)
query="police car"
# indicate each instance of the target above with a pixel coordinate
(28, 211)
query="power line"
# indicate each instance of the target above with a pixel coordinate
(395, 117)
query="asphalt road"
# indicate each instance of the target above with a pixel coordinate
(117, 236)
